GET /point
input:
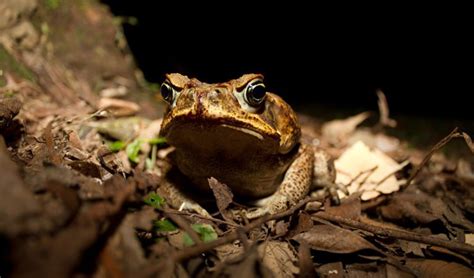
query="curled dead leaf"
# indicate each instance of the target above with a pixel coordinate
(438, 268)
(222, 194)
(335, 240)
(338, 131)
(279, 257)
(373, 174)
(349, 208)
(118, 107)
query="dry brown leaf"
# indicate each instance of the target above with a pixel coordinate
(365, 270)
(447, 255)
(305, 223)
(305, 261)
(248, 265)
(338, 131)
(74, 140)
(410, 206)
(372, 174)
(410, 247)
(349, 208)
(392, 271)
(118, 107)
(229, 252)
(420, 207)
(125, 129)
(438, 268)
(222, 194)
(334, 239)
(113, 92)
(279, 258)
(281, 228)
(86, 168)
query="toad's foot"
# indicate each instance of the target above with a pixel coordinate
(294, 187)
(330, 190)
(177, 200)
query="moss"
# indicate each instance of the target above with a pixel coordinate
(10, 64)
(3, 82)
(52, 4)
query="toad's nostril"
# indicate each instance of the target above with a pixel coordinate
(213, 94)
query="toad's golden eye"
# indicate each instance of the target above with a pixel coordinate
(167, 92)
(255, 93)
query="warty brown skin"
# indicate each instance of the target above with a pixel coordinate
(253, 148)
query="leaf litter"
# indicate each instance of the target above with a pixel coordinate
(73, 179)
(78, 196)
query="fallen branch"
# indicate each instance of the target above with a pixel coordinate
(468, 140)
(201, 248)
(427, 239)
(384, 119)
(455, 133)
(212, 219)
(183, 224)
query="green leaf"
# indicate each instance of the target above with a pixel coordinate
(187, 241)
(205, 231)
(52, 4)
(133, 149)
(164, 225)
(116, 145)
(154, 200)
(157, 141)
(150, 162)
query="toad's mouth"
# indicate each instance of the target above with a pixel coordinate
(215, 136)
(245, 130)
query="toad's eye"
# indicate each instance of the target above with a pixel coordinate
(167, 92)
(255, 93)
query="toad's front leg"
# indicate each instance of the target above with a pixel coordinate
(295, 186)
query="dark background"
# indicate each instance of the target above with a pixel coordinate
(423, 61)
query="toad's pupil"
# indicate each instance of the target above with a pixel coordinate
(258, 92)
(166, 92)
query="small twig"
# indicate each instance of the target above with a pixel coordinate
(243, 238)
(370, 173)
(183, 224)
(449, 244)
(468, 140)
(201, 248)
(371, 170)
(439, 145)
(202, 217)
(385, 119)
(402, 165)
(373, 203)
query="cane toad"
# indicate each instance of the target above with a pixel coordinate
(245, 137)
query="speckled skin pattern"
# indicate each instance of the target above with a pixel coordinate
(254, 150)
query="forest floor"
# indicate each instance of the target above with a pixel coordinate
(81, 163)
